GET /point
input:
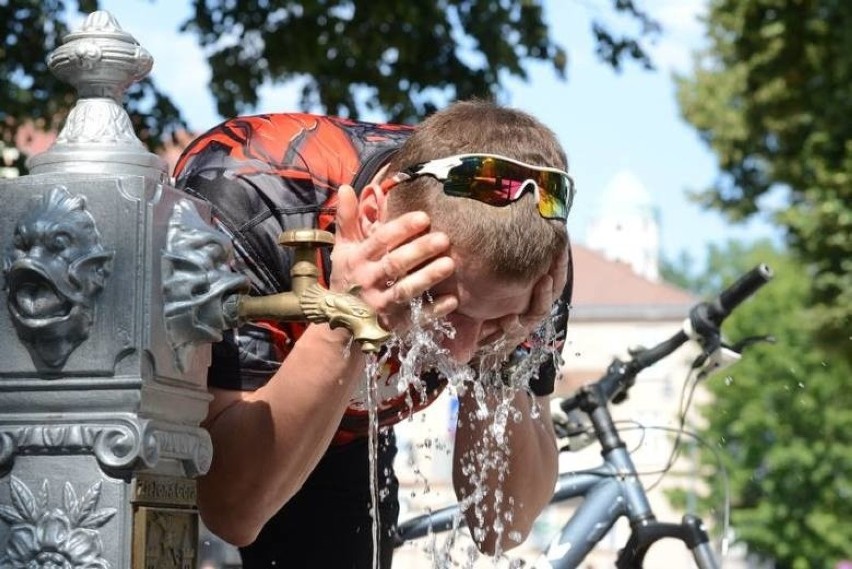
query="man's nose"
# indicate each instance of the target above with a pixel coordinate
(463, 347)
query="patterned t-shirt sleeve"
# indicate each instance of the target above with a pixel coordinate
(257, 188)
(263, 175)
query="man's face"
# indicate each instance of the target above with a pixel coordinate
(484, 299)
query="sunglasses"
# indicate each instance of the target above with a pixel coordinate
(496, 180)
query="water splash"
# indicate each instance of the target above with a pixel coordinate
(493, 381)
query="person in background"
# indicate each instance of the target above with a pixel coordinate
(465, 211)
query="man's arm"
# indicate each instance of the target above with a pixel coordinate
(521, 480)
(267, 442)
(525, 480)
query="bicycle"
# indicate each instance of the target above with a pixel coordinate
(613, 490)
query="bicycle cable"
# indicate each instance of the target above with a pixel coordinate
(690, 384)
(722, 548)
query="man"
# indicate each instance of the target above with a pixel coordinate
(482, 238)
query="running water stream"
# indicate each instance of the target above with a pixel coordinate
(420, 350)
(371, 377)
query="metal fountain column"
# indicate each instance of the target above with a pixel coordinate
(114, 284)
(99, 414)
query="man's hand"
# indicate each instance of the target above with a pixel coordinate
(502, 336)
(396, 261)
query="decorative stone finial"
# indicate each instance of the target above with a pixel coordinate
(101, 61)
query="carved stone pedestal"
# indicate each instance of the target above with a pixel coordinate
(99, 406)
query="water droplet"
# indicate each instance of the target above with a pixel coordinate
(420, 349)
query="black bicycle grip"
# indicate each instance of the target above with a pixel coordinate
(735, 294)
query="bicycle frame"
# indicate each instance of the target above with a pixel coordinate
(611, 491)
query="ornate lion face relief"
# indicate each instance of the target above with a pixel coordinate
(54, 269)
(197, 278)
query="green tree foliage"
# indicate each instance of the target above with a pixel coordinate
(681, 272)
(772, 96)
(352, 56)
(781, 422)
(401, 58)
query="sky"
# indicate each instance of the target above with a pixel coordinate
(608, 122)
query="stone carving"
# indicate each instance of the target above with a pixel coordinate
(101, 61)
(116, 446)
(196, 280)
(97, 120)
(171, 538)
(188, 447)
(62, 537)
(102, 404)
(168, 491)
(54, 269)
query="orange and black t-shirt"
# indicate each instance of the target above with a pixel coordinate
(266, 174)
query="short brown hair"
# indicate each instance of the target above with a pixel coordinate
(514, 241)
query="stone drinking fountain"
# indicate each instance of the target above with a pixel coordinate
(114, 286)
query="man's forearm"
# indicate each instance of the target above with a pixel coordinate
(268, 441)
(529, 477)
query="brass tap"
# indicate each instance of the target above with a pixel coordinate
(310, 301)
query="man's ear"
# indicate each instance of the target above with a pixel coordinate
(372, 208)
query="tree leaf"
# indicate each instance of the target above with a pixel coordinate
(10, 515)
(98, 518)
(23, 500)
(69, 500)
(90, 500)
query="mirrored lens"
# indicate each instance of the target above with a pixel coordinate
(500, 182)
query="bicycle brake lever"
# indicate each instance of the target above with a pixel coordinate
(718, 359)
(751, 340)
(723, 355)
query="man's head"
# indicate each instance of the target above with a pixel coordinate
(506, 257)
(513, 241)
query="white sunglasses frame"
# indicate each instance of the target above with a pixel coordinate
(439, 168)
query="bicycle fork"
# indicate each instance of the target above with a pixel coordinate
(611, 491)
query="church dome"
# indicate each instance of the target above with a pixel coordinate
(625, 194)
(626, 227)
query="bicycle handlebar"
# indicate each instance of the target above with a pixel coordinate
(735, 294)
(705, 319)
